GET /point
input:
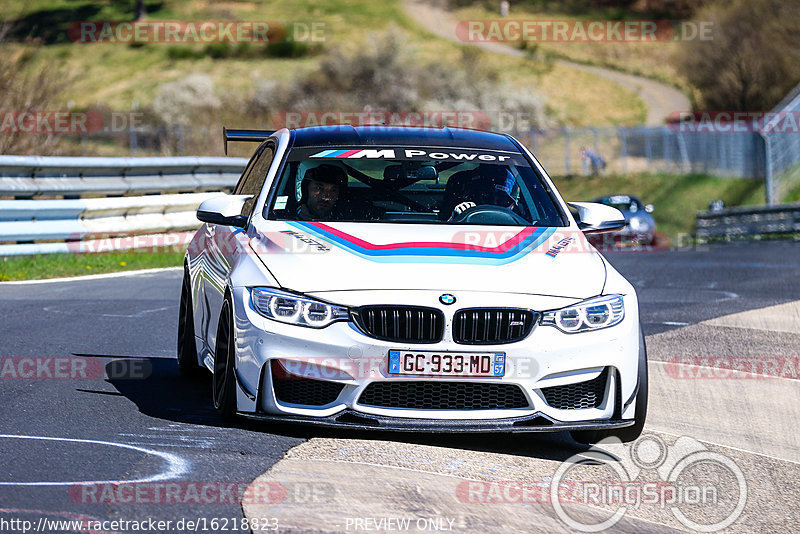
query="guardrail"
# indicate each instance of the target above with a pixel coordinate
(747, 222)
(74, 220)
(32, 176)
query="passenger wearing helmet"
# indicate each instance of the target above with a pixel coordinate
(489, 185)
(320, 191)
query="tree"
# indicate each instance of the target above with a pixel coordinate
(140, 10)
(752, 60)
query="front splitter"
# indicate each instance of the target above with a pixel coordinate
(359, 421)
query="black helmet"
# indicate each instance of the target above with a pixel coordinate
(495, 184)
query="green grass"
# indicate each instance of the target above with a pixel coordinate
(676, 198)
(59, 265)
(789, 184)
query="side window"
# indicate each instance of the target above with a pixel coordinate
(253, 180)
(245, 173)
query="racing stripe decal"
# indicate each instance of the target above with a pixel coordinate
(328, 154)
(527, 240)
(348, 153)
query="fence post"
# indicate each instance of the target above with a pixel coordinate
(132, 140)
(686, 163)
(723, 154)
(769, 181)
(566, 151)
(623, 148)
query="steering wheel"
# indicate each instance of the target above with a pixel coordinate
(488, 214)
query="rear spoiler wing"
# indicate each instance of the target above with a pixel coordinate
(254, 136)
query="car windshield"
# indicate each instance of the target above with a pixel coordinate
(412, 185)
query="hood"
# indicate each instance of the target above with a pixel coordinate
(312, 257)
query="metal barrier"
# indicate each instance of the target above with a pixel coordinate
(783, 148)
(575, 151)
(72, 220)
(740, 223)
(32, 176)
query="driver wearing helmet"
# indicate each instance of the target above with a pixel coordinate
(320, 191)
(490, 185)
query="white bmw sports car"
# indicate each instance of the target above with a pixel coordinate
(410, 279)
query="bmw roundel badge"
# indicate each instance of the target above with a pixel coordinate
(447, 299)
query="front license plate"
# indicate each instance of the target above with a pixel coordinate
(402, 362)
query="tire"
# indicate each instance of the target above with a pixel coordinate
(223, 386)
(630, 433)
(187, 348)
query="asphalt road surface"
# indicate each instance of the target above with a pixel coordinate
(92, 402)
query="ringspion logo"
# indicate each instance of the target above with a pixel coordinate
(704, 490)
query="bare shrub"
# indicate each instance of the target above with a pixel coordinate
(188, 110)
(181, 101)
(23, 89)
(386, 76)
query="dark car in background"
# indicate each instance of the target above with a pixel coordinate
(640, 227)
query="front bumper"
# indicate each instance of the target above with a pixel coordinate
(343, 355)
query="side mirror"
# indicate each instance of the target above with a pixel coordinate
(595, 218)
(649, 208)
(225, 210)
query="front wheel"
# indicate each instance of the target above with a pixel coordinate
(187, 348)
(223, 385)
(630, 433)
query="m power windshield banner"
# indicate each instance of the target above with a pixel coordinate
(410, 154)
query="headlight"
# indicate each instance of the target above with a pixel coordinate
(592, 314)
(296, 309)
(639, 224)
